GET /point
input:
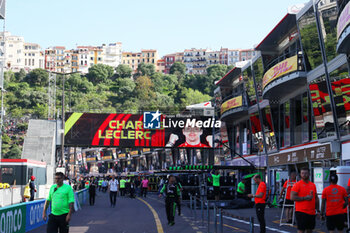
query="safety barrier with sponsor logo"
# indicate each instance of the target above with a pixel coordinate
(27, 216)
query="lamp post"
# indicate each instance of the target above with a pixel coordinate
(62, 116)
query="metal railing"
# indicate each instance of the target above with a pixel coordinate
(218, 215)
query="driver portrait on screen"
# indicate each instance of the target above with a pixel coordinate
(192, 138)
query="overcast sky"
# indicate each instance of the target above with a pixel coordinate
(165, 25)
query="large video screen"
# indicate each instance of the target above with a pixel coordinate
(150, 129)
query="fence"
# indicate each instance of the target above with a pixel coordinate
(218, 214)
(27, 216)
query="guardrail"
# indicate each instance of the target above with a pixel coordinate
(27, 216)
(217, 213)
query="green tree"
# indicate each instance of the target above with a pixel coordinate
(178, 69)
(100, 73)
(40, 111)
(20, 76)
(123, 71)
(193, 97)
(144, 91)
(38, 77)
(14, 152)
(145, 69)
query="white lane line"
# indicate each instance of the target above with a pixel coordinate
(257, 225)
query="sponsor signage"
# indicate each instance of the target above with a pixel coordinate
(287, 66)
(107, 157)
(146, 149)
(150, 129)
(301, 156)
(91, 159)
(343, 20)
(13, 218)
(122, 156)
(231, 103)
(35, 215)
(134, 153)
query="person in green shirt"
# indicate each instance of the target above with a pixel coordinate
(172, 193)
(61, 197)
(100, 184)
(215, 178)
(241, 189)
(122, 186)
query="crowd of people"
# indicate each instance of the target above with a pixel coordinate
(301, 195)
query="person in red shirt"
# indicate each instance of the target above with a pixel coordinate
(304, 194)
(259, 199)
(288, 186)
(334, 200)
(192, 138)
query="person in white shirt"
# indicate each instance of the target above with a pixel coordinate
(113, 190)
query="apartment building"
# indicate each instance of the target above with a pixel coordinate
(113, 54)
(195, 61)
(33, 56)
(160, 67)
(170, 59)
(14, 46)
(134, 59)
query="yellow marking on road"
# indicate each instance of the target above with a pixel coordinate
(155, 215)
(237, 229)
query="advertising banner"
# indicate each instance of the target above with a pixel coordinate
(151, 129)
(13, 219)
(282, 68)
(231, 103)
(107, 155)
(343, 20)
(35, 214)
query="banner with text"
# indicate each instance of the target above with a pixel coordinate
(284, 67)
(151, 129)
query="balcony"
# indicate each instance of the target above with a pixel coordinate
(283, 77)
(234, 107)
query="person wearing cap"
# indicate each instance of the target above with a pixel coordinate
(259, 199)
(304, 194)
(334, 201)
(32, 188)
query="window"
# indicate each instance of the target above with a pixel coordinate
(309, 39)
(321, 106)
(25, 61)
(285, 124)
(341, 91)
(297, 120)
(257, 137)
(258, 75)
(270, 139)
(306, 128)
(10, 45)
(33, 62)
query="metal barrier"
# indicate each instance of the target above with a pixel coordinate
(27, 216)
(217, 212)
